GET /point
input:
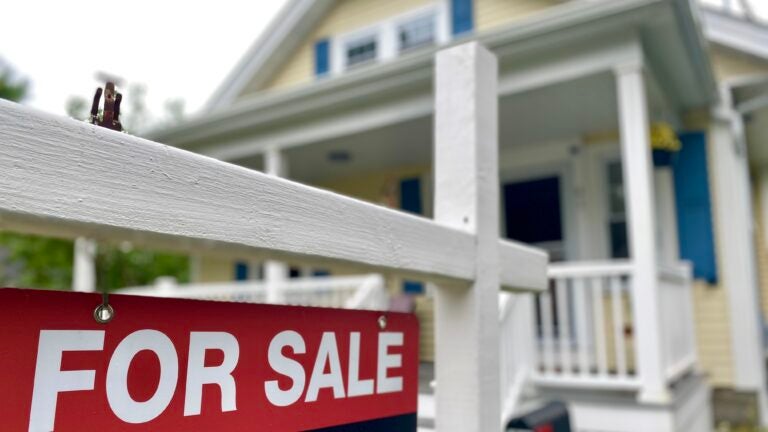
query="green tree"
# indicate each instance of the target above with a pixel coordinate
(12, 87)
(27, 260)
(40, 262)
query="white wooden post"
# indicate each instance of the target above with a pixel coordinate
(638, 187)
(275, 272)
(84, 271)
(467, 198)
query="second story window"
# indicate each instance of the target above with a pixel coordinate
(416, 32)
(361, 50)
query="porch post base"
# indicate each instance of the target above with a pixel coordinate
(655, 396)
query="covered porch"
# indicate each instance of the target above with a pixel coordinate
(576, 109)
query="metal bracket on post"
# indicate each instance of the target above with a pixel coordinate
(110, 116)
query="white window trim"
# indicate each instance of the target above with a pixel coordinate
(385, 33)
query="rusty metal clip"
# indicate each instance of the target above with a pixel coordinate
(110, 116)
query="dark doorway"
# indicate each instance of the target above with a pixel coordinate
(532, 211)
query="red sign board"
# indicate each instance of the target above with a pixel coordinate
(186, 365)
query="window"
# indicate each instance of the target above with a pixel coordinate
(360, 51)
(617, 217)
(416, 33)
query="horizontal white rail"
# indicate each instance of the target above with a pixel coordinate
(65, 177)
(584, 327)
(349, 292)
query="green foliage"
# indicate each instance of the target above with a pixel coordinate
(39, 262)
(11, 87)
(118, 267)
(35, 262)
(77, 108)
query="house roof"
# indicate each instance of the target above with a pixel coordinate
(285, 32)
(737, 32)
(577, 18)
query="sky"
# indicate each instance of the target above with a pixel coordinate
(176, 49)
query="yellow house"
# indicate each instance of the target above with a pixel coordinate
(651, 306)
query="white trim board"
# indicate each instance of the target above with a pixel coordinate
(75, 177)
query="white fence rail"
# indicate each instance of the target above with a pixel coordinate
(349, 292)
(584, 326)
(677, 320)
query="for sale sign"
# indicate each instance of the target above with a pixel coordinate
(185, 365)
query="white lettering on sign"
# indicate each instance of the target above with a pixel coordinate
(356, 386)
(287, 367)
(198, 374)
(50, 380)
(328, 354)
(121, 402)
(386, 361)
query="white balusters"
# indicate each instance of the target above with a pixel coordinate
(598, 296)
(581, 312)
(583, 338)
(563, 324)
(547, 333)
(618, 325)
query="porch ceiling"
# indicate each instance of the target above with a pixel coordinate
(562, 112)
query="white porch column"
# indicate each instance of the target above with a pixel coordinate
(736, 260)
(275, 272)
(467, 198)
(638, 187)
(84, 271)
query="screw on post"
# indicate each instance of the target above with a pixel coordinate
(110, 116)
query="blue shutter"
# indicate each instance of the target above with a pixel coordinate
(322, 57)
(462, 20)
(694, 212)
(410, 201)
(241, 271)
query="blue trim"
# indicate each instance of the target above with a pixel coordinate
(241, 271)
(399, 423)
(322, 57)
(412, 287)
(410, 201)
(663, 158)
(462, 16)
(694, 206)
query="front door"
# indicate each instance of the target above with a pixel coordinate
(532, 214)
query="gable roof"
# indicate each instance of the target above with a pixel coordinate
(286, 31)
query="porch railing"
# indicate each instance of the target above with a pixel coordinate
(584, 326)
(677, 320)
(349, 292)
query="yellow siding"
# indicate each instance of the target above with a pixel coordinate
(346, 16)
(711, 309)
(728, 63)
(494, 13)
(381, 187)
(216, 269)
(760, 246)
(350, 15)
(713, 332)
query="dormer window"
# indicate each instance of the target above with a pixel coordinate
(417, 32)
(361, 50)
(384, 40)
